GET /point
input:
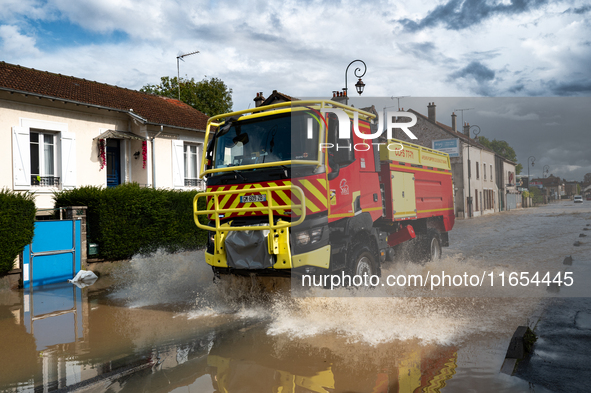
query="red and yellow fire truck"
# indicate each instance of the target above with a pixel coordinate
(286, 193)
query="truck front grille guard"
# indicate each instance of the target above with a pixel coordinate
(276, 241)
(269, 208)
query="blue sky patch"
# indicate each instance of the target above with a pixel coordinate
(62, 33)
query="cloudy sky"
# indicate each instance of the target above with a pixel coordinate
(447, 48)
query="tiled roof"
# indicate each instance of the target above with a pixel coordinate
(278, 96)
(458, 134)
(155, 109)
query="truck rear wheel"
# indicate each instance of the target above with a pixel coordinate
(431, 246)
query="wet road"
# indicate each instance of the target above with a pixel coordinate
(159, 324)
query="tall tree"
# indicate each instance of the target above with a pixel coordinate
(503, 149)
(211, 97)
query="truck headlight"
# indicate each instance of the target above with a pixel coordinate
(315, 235)
(302, 238)
(308, 237)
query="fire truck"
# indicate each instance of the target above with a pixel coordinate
(285, 193)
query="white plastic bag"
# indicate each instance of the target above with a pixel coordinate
(84, 278)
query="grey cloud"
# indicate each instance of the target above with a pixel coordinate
(424, 51)
(516, 88)
(580, 10)
(570, 88)
(477, 73)
(476, 70)
(460, 14)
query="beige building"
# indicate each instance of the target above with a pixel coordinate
(60, 132)
(480, 176)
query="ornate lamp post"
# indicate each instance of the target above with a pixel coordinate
(532, 160)
(359, 86)
(545, 170)
(476, 132)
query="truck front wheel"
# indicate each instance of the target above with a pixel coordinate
(363, 262)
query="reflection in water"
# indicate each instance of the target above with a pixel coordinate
(256, 362)
(158, 324)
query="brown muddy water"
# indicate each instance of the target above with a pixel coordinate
(159, 324)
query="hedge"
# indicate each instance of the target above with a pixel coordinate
(128, 219)
(17, 224)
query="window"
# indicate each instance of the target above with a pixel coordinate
(477, 172)
(491, 173)
(484, 171)
(191, 174)
(43, 159)
(43, 155)
(185, 164)
(476, 197)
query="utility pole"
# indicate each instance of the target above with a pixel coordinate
(469, 169)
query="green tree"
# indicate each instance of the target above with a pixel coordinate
(211, 97)
(536, 195)
(503, 149)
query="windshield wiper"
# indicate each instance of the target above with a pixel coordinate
(239, 174)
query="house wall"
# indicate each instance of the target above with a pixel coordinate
(478, 183)
(83, 124)
(510, 184)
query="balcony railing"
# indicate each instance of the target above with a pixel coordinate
(45, 181)
(191, 182)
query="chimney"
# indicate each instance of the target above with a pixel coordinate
(467, 129)
(258, 100)
(453, 121)
(431, 111)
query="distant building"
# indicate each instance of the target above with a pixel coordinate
(571, 188)
(59, 132)
(552, 187)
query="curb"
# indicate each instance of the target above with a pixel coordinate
(519, 346)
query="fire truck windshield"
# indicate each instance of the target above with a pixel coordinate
(267, 139)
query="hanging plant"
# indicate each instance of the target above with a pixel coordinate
(144, 153)
(102, 157)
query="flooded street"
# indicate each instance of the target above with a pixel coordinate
(159, 324)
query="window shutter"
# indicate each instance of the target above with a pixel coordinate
(178, 164)
(68, 148)
(21, 158)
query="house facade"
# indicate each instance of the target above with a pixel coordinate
(474, 167)
(60, 132)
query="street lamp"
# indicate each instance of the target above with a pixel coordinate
(545, 170)
(532, 160)
(359, 86)
(476, 132)
(178, 78)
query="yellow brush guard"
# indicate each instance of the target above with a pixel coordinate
(278, 239)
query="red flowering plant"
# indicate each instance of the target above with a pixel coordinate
(144, 153)
(102, 157)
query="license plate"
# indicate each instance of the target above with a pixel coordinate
(253, 198)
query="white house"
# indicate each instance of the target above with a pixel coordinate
(60, 132)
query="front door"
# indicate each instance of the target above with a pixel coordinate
(113, 162)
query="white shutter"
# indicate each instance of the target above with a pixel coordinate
(178, 164)
(68, 149)
(21, 158)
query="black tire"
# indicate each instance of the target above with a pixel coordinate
(362, 261)
(430, 245)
